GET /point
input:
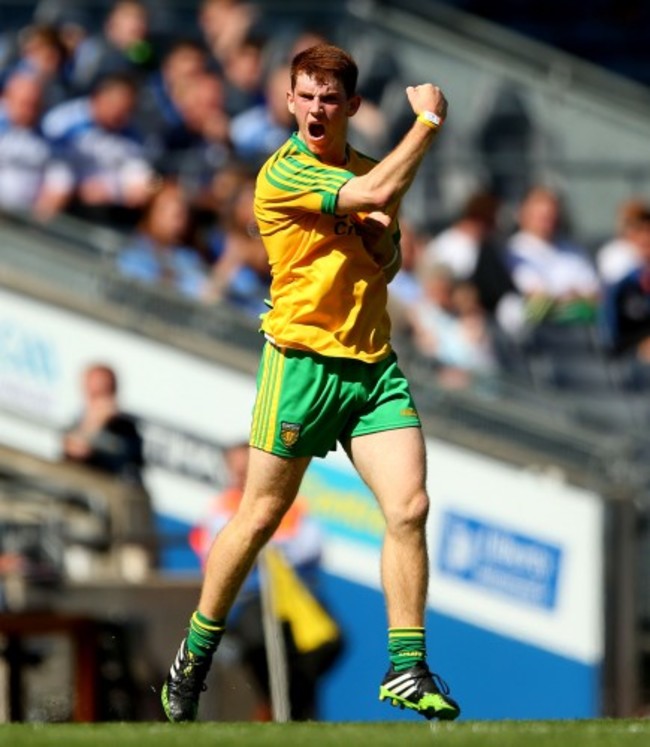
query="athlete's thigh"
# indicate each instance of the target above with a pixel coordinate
(299, 409)
(388, 404)
(392, 463)
(272, 483)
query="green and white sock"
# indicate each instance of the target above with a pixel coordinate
(406, 647)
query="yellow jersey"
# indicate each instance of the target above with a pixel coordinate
(328, 294)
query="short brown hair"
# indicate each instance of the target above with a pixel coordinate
(324, 60)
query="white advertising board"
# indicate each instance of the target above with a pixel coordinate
(182, 399)
(516, 552)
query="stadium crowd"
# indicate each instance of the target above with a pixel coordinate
(160, 136)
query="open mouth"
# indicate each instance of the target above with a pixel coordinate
(316, 130)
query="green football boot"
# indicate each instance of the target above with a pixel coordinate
(184, 685)
(420, 690)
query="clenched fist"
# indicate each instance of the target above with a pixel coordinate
(427, 97)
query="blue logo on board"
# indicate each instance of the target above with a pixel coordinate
(497, 559)
(27, 354)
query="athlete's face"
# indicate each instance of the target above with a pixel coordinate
(322, 110)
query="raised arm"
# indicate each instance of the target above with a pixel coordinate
(385, 184)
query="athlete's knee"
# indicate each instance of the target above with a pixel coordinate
(259, 525)
(408, 514)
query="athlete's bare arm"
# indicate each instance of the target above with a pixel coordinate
(385, 184)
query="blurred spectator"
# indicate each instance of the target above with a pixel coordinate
(625, 316)
(224, 188)
(163, 250)
(259, 131)
(8, 52)
(73, 26)
(158, 114)
(620, 255)
(41, 52)
(203, 144)
(370, 130)
(299, 540)
(32, 179)
(450, 328)
(240, 272)
(104, 437)
(286, 44)
(225, 24)
(556, 278)
(243, 75)
(405, 289)
(384, 116)
(96, 135)
(123, 46)
(107, 439)
(470, 250)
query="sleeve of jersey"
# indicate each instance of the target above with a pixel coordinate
(296, 182)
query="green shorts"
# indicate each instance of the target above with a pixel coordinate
(307, 402)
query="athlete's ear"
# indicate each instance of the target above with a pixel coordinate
(353, 105)
(291, 104)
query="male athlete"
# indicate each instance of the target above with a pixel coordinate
(327, 217)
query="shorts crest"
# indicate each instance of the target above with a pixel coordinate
(289, 433)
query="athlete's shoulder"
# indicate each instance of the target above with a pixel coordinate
(293, 168)
(291, 157)
(285, 154)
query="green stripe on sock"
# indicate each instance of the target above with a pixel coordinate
(406, 647)
(204, 634)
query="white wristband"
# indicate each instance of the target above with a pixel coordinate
(430, 119)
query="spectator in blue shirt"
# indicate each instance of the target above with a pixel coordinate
(207, 147)
(240, 272)
(32, 178)
(163, 251)
(96, 135)
(260, 130)
(158, 114)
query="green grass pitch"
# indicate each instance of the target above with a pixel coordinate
(596, 733)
